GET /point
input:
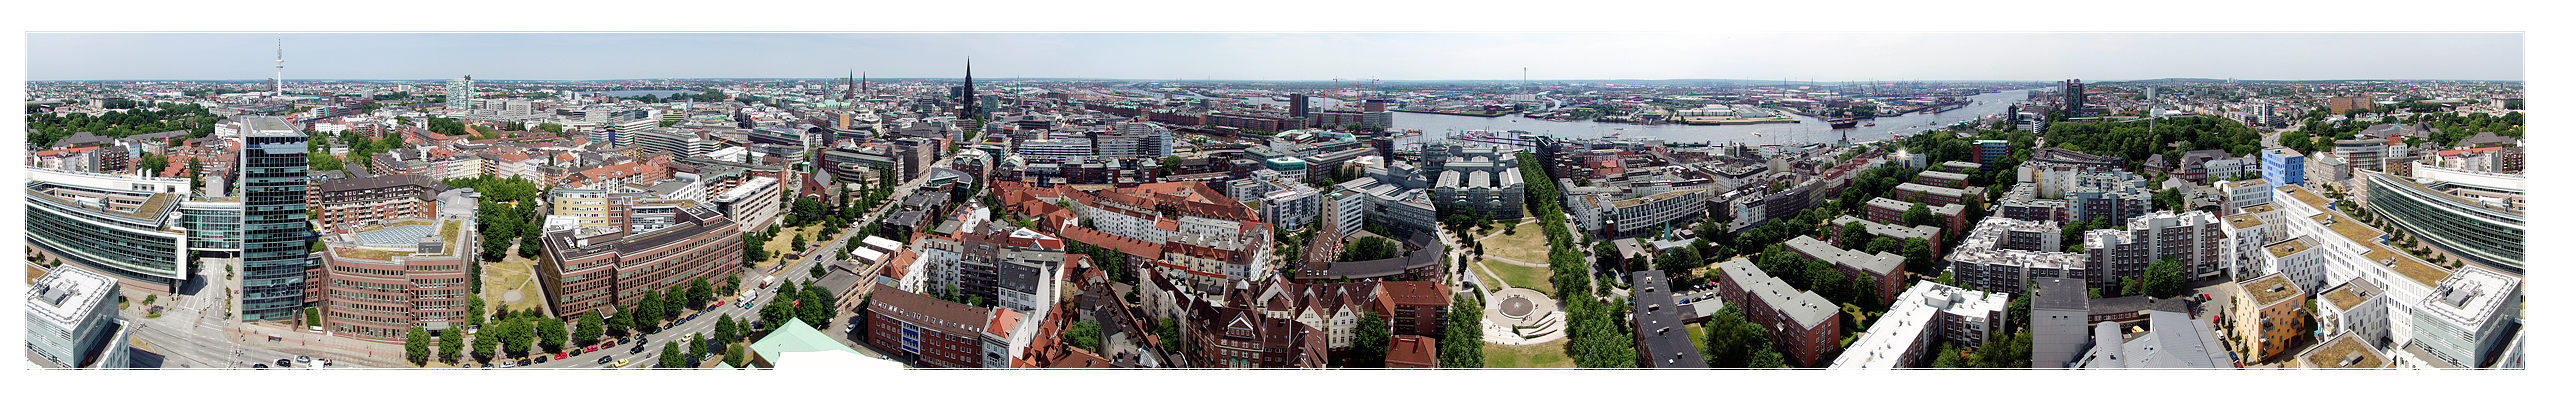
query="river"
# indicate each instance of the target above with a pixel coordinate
(1809, 130)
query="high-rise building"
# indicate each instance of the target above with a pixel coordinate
(1300, 105)
(2074, 98)
(457, 93)
(274, 180)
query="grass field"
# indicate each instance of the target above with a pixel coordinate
(513, 272)
(1699, 337)
(1545, 355)
(779, 246)
(1527, 244)
(1520, 276)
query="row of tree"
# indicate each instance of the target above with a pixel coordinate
(1596, 337)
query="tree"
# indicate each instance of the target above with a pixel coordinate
(699, 295)
(814, 306)
(450, 346)
(738, 355)
(529, 247)
(699, 350)
(1732, 339)
(617, 322)
(1883, 244)
(484, 346)
(1371, 342)
(1765, 358)
(671, 357)
(1916, 252)
(2164, 278)
(1369, 248)
(650, 311)
(1084, 335)
(1461, 344)
(553, 333)
(1920, 214)
(477, 311)
(1167, 330)
(588, 328)
(417, 348)
(726, 328)
(1852, 235)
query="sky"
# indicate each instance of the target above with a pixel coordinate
(1837, 56)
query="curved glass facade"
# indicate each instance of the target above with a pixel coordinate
(128, 249)
(2466, 229)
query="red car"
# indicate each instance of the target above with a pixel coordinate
(593, 348)
(607, 345)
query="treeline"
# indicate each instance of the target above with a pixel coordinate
(44, 128)
(1597, 336)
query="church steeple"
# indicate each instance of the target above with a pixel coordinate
(968, 91)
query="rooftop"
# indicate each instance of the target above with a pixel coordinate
(2470, 296)
(64, 295)
(2288, 247)
(2270, 289)
(1803, 306)
(2347, 296)
(2347, 351)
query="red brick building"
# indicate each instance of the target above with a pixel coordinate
(588, 271)
(1419, 308)
(377, 293)
(1805, 325)
(932, 333)
(1245, 337)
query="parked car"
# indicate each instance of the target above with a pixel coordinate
(301, 359)
(283, 362)
(571, 353)
(621, 363)
(606, 360)
(610, 343)
(260, 366)
(542, 359)
(508, 364)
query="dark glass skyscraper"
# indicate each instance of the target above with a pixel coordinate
(275, 228)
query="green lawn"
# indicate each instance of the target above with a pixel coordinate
(1521, 276)
(1699, 337)
(514, 272)
(1545, 355)
(1527, 244)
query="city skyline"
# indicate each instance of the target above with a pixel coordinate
(1840, 57)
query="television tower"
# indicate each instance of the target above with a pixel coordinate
(278, 67)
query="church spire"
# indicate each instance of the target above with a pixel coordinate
(968, 91)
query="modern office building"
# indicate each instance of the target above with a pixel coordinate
(457, 94)
(122, 226)
(753, 205)
(399, 275)
(2356, 308)
(212, 225)
(71, 322)
(2246, 193)
(275, 227)
(2463, 213)
(2465, 320)
(1804, 324)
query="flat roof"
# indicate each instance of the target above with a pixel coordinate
(2470, 296)
(2347, 296)
(2346, 351)
(2270, 289)
(2290, 246)
(2244, 221)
